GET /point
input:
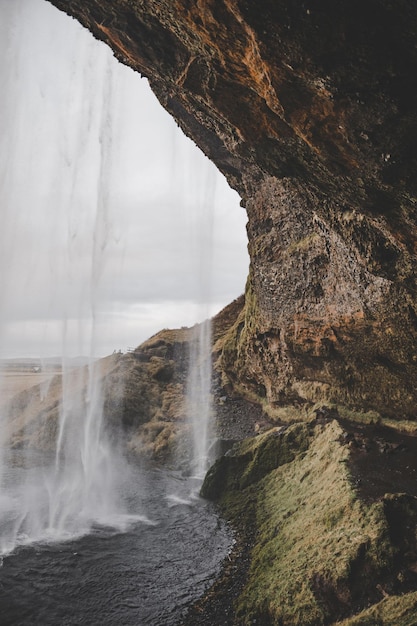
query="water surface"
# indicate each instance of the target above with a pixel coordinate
(148, 574)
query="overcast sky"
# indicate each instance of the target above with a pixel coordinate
(113, 224)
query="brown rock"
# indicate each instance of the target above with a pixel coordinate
(310, 111)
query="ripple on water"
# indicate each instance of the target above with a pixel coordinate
(143, 568)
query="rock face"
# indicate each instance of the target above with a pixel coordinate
(309, 109)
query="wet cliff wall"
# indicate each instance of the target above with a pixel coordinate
(309, 109)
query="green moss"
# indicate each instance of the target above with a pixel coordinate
(233, 342)
(362, 417)
(274, 448)
(303, 244)
(312, 531)
(290, 413)
(392, 611)
(253, 458)
(318, 549)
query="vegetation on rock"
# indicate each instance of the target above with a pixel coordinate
(320, 551)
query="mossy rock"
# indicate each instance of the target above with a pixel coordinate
(252, 459)
(392, 611)
(320, 553)
(312, 533)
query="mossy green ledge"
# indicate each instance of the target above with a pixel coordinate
(320, 552)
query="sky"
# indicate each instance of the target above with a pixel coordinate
(114, 225)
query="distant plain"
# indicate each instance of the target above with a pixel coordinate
(16, 376)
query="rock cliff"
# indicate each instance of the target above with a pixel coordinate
(309, 109)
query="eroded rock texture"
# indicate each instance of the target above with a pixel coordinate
(309, 109)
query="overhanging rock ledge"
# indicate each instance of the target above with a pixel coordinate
(309, 109)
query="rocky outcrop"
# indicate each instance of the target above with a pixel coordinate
(309, 109)
(142, 399)
(322, 546)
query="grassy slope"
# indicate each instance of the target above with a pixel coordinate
(320, 553)
(392, 611)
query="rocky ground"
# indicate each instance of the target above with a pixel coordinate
(382, 460)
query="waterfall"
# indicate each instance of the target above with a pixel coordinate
(199, 400)
(70, 153)
(68, 190)
(199, 393)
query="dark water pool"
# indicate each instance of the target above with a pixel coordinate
(145, 575)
